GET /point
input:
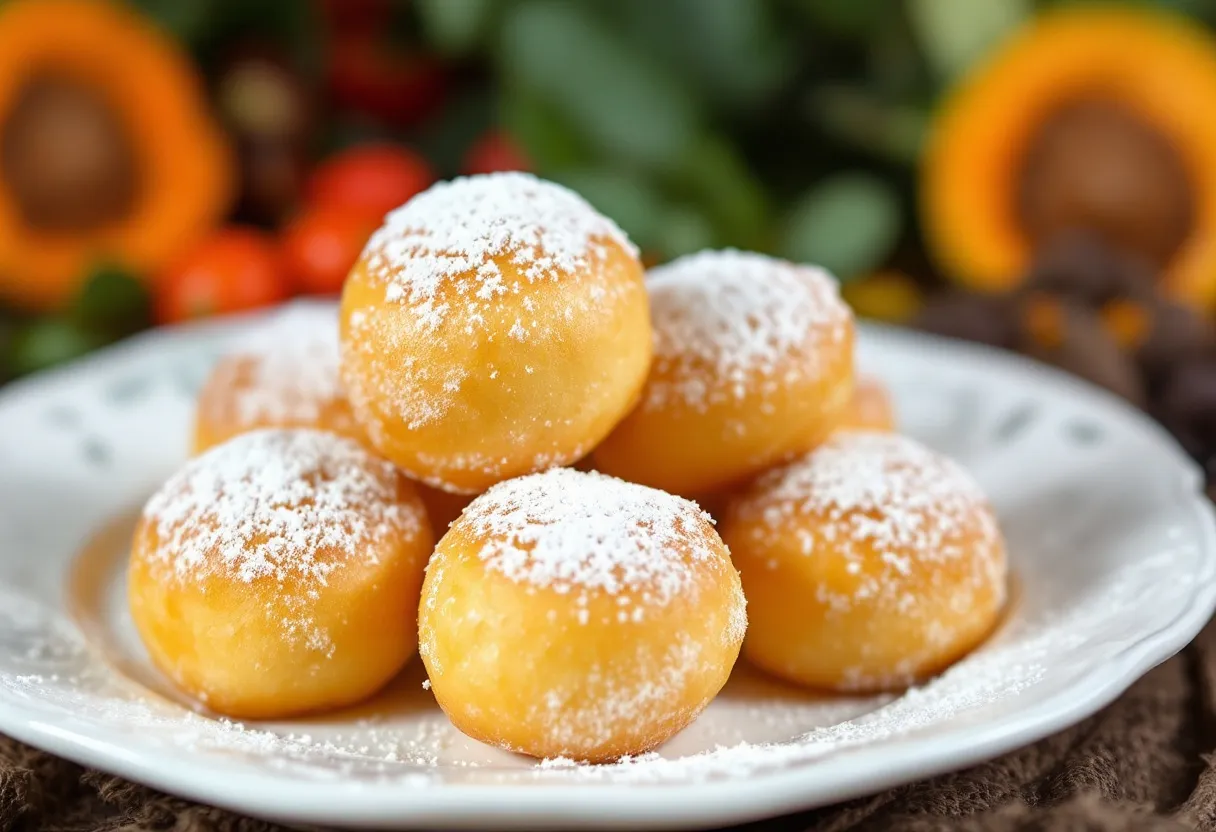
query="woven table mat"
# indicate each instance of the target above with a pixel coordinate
(1147, 762)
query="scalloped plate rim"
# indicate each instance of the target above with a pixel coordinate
(665, 805)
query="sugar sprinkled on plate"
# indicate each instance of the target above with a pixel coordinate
(77, 681)
(728, 322)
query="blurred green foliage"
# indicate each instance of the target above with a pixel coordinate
(45, 342)
(788, 126)
(111, 304)
(781, 125)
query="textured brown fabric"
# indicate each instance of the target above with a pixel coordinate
(1148, 762)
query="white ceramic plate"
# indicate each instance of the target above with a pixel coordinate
(1111, 541)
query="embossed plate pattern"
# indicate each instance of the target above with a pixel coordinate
(1110, 538)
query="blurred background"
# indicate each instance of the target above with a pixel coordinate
(1037, 176)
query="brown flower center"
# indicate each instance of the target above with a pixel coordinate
(1095, 167)
(66, 157)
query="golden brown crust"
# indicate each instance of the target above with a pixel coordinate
(279, 574)
(461, 409)
(753, 364)
(871, 408)
(237, 398)
(870, 564)
(566, 639)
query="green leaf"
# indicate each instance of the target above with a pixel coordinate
(715, 177)
(849, 223)
(851, 18)
(444, 138)
(455, 26)
(617, 97)
(7, 330)
(953, 33)
(113, 301)
(894, 131)
(289, 26)
(628, 199)
(542, 131)
(1203, 11)
(896, 64)
(187, 20)
(731, 50)
(684, 230)
(44, 343)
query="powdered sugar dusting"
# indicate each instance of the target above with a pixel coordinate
(1051, 643)
(895, 512)
(1112, 542)
(471, 284)
(277, 504)
(881, 488)
(614, 556)
(729, 323)
(285, 372)
(453, 232)
(601, 705)
(574, 531)
(288, 506)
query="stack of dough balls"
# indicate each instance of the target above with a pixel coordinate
(503, 375)
(494, 326)
(285, 375)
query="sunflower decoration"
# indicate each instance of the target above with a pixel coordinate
(1068, 188)
(107, 149)
(1088, 120)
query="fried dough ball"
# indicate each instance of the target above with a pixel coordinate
(869, 564)
(284, 375)
(495, 325)
(753, 364)
(871, 408)
(279, 574)
(573, 614)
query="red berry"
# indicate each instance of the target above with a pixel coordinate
(495, 151)
(370, 180)
(232, 270)
(356, 15)
(366, 75)
(321, 245)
